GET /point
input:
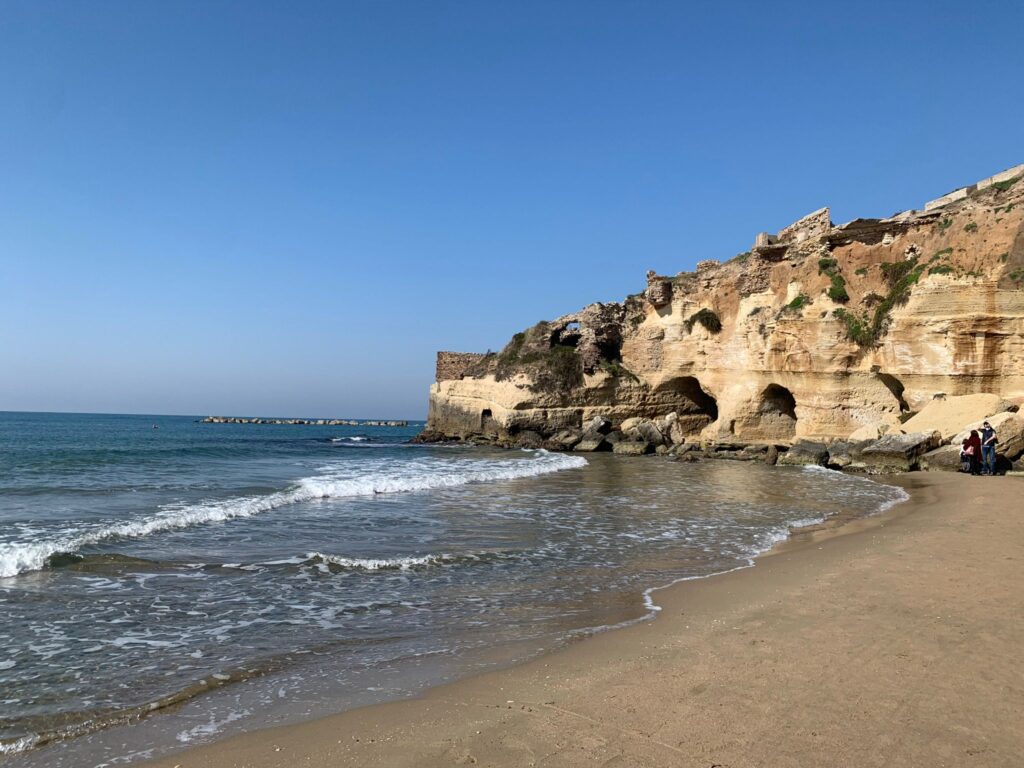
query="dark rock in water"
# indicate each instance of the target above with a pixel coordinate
(592, 444)
(841, 453)
(565, 440)
(632, 447)
(805, 453)
(689, 458)
(648, 431)
(431, 436)
(897, 453)
(756, 449)
(615, 437)
(733, 455)
(723, 447)
(771, 456)
(527, 439)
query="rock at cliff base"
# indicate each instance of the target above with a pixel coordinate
(805, 453)
(566, 440)
(771, 456)
(644, 430)
(597, 425)
(944, 459)
(898, 453)
(592, 445)
(841, 454)
(633, 447)
(1009, 429)
(952, 414)
(527, 439)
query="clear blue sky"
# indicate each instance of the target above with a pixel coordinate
(286, 208)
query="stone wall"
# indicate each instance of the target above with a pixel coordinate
(659, 289)
(812, 225)
(451, 366)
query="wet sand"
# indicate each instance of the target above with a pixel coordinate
(894, 641)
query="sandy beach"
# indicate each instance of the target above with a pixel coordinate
(893, 641)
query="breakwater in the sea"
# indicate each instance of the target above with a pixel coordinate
(311, 422)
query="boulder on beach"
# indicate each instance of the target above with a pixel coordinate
(943, 459)
(950, 415)
(897, 453)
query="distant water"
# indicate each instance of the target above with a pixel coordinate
(162, 587)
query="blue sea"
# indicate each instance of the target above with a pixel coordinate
(165, 582)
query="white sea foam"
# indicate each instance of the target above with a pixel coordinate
(380, 564)
(389, 477)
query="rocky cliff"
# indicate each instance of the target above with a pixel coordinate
(817, 332)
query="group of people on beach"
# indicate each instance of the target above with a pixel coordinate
(978, 451)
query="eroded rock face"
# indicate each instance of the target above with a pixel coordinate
(820, 332)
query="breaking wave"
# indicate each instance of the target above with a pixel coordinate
(422, 475)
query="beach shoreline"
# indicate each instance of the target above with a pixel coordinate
(889, 640)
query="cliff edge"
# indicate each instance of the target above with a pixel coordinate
(818, 331)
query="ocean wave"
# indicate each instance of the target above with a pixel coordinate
(22, 556)
(334, 563)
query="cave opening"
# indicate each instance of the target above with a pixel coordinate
(694, 406)
(779, 401)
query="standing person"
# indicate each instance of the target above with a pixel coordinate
(974, 443)
(988, 449)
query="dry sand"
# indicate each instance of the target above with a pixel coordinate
(899, 642)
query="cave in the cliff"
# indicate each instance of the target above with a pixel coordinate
(487, 423)
(688, 398)
(777, 412)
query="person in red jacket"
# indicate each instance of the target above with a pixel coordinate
(974, 442)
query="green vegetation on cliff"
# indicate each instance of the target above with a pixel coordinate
(900, 276)
(837, 287)
(553, 367)
(705, 317)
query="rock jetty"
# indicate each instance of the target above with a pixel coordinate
(310, 422)
(817, 346)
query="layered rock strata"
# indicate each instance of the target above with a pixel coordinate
(816, 333)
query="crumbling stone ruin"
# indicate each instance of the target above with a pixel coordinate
(452, 366)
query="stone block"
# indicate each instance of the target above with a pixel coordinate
(633, 447)
(804, 453)
(898, 453)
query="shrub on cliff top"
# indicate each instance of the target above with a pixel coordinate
(705, 317)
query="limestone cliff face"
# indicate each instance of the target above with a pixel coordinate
(816, 332)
